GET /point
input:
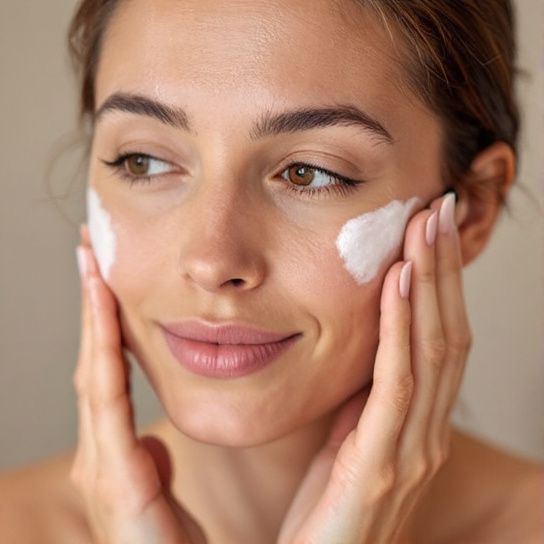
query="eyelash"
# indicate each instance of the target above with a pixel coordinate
(343, 185)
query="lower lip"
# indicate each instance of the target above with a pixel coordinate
(225, 360)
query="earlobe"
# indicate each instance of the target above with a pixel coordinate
(487, 183)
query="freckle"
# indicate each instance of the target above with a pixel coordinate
(365, 242)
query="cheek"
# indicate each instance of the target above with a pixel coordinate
(347, 304)
(314, 280)
(366, 242)
(128, 250)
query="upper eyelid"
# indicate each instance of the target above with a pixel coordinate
(118, 162)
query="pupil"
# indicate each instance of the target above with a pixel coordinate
(305, 175)
(138, 164)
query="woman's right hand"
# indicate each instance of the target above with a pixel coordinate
(124, 480)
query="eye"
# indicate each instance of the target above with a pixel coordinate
(139, 167)
(309, 179)
(303, 178)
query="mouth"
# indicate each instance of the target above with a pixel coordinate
(226, 350)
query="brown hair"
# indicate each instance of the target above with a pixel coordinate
(460, 59)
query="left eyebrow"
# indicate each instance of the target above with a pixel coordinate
(269, 124)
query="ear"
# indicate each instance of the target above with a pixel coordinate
(480, 191)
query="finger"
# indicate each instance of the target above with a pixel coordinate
(87, 268)
(363, 467)
(392, 385)
(84, 234)
(346, 418)
(454, 316)
(111, 407)
(428, 345)
(161, 457)
(85, 321)
(85, 455)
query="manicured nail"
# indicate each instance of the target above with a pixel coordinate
(447, 214)
(405, 279)
(81, 261)
(431, 228)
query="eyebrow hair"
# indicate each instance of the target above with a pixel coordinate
(269, 124)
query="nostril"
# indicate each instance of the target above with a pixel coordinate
(237, 282)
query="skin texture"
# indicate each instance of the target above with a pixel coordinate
(203, 224)
(239, 449)
(206, 227)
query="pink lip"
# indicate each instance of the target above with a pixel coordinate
(226, 350)
(224, 333)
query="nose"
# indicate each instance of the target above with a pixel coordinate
(221, 245)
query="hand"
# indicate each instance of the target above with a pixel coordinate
(124, 480)
(367, 479)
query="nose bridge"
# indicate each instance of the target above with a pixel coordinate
(219, 246)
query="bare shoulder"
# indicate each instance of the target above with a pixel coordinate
(38, 504)
(523, 512)
(517, 484)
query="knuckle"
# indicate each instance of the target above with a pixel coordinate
(404, 390)
(104, 403)
(417, 474)
(345, 472)
(403, 393)
(460, 342)
(434, 349)
(384, 483)
(438, 461)
(427, 276)
(79, 383)
(398, 394)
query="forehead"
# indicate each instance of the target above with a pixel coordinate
(281, 51)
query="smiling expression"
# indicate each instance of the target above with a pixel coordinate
(202, 88)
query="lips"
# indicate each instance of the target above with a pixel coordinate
(224, 350)
(224, 333)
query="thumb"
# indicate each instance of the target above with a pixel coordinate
(194, 532)
(158, 450)
(347, 417)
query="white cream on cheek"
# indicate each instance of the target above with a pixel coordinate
(366, 241)
(101, 233)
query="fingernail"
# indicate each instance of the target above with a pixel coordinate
(405, 279)
(81, 262)
(447, 214)
(431, 228)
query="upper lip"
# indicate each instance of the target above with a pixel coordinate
(230, 332)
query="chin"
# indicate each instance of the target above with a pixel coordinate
(220, 427)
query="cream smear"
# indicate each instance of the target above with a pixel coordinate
(101, 233)
(366, 241)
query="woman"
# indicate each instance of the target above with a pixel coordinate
(273, 232)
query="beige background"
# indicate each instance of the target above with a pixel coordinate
(39, 292)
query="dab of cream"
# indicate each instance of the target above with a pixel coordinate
(101, 233)
(366, 241)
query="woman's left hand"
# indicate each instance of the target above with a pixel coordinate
(364, 483)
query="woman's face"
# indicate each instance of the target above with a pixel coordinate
(225, 203)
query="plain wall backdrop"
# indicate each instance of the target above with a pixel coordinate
(503, 389)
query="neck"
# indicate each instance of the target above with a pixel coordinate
(249, 489)
(243, 494)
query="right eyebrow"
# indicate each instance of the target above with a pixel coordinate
(268, 124)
